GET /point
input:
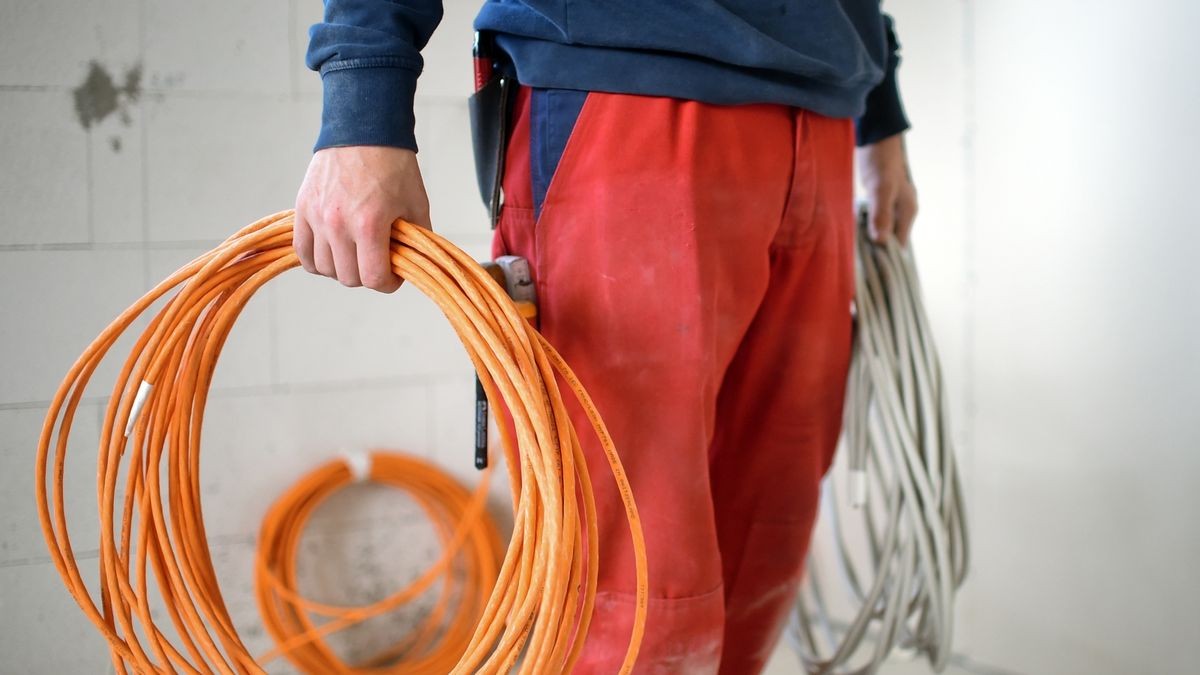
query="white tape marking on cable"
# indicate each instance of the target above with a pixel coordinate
(359, 464)
(139, 400)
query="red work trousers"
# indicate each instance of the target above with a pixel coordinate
(694, 265)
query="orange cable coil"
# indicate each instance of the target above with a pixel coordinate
(451, 508)
(537, 616)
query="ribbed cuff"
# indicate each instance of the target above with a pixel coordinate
(367, 103)
(884, 116)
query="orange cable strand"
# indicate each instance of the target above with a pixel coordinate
(532, 613)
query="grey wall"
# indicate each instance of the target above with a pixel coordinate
(1054, 148)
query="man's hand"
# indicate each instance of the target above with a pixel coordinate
(891, 197)
(345, 209)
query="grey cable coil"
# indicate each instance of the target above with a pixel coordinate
(903, 561)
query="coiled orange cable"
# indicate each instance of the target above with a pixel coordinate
(542, 602)
(451, 508)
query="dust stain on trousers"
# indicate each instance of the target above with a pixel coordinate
(694, 265)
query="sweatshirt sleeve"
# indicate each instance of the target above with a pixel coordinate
(368, 53)
(884, 115)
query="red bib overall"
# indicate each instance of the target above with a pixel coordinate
(694, 264)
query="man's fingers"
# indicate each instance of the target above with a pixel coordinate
(906, 214)
(302, 242)
(344, 210)
(375, 268)
(345, 259)
(883, 167)
(323, 258)
(882, 212)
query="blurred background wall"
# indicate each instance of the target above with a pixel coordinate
(1054, 145)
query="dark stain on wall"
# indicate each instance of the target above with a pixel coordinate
(100, 96)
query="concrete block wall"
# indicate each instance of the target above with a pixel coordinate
(1052, 148)
(196, 119)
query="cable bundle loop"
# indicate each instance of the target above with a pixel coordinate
(904, 561)
(536, 618)
(467, 568)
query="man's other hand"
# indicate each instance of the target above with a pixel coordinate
(891, 196)
(345, 209)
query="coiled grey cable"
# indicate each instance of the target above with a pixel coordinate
(901, 565)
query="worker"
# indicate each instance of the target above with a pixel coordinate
(680, 177)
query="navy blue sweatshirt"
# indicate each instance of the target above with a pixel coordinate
(835, 57)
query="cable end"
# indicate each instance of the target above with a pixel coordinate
(359, 464)
(139, 400)
(858, 488)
